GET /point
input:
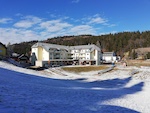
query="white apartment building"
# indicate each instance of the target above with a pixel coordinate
(51, 54)
(86, 54)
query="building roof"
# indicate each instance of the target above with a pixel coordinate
(47, 46)
(109, 54)
(91, 47)
(142, 50)
(23, 56)
(3, 45)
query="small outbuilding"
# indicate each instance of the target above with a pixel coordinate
(20, 58)
(109, 57)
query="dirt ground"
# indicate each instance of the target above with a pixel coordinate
(138, 62)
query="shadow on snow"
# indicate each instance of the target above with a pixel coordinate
(21, 92)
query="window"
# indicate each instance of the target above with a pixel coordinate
(77, 50)
(87, 50)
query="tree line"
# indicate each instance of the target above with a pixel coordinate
(118, 42)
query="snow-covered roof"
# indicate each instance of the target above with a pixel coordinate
(47, 46)
(108, 54)
(91, 47)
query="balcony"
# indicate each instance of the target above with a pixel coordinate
(75, 51)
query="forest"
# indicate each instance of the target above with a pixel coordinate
(118, 42)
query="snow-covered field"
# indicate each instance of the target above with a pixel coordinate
(56, 91)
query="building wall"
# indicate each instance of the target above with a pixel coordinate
(35, 51)
(2, 50)
(86, 55)
(92, 54)
(40, 53)
(108, 58)
(45, 56)
(65, 54)
(96, 57)
(34, 55)
(83, 54)
(61, 54)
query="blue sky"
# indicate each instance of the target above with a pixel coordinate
(25, 20)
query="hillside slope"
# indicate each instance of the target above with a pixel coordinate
(114, 92)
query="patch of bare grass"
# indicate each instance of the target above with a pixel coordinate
(84, 69)
(138, 63)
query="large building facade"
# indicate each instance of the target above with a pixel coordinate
(52, 54)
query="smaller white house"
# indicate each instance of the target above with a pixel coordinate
(109, 57)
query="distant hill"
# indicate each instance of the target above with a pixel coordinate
(119, 42)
